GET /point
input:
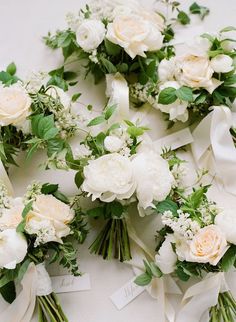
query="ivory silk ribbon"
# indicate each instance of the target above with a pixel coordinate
(36, 282)
(118, 91)
(213, 147)
(159, 288)
(200, 297)
(5, 179)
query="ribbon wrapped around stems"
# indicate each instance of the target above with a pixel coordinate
(118, 92)
(200, 297)
(213, 147)
(36, 282)
(159, 288)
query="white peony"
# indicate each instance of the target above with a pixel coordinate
(109, 177)
(13, 248)
(10, 218)
(208, 246)
(166, 69)
(178, 109)
(222, 64)
(90, 34)
(49, 219)
(227, 222)
(14, 105)
(196, 71)
(58, 93)
(153, 176)
(135, 33)
(166, 258)
(112, 143)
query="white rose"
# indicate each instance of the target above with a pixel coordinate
(112, 143)
(109, 177)
(153, 176)
(227, 223)
(58, 93)
(14, 105)
(90, 34)
(49, 219)
(208, 246)
(13, 248)
(178, 109)
(166, 69)
(11, 217)
(196, 71)
(135, 34)
(222, 64)
(166, 257)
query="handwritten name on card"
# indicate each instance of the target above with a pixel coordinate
(67, 283)
(126, 294)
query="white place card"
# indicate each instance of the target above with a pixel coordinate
(126, 294)
(68, 283)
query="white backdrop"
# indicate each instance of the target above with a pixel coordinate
(23, 23)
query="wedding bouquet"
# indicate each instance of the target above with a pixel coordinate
(36, 228)
(197, 240)
(33, 115)
(119, 166)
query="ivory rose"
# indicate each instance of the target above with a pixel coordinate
(153, 176)
(207, 246)
(48, 219)
(135, 33)
(13, 248)
(14, 105)
(90, 34)
(109, 177)
(10, 218)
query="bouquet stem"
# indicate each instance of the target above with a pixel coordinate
(113, 241)
(225, 310)
(49, 309)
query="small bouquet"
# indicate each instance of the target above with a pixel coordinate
(117, 166)
(199, 77)
(36, 228)
(197, 240)
(34, 115)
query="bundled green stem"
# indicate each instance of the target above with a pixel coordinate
(113, 241)
(49, 309)
(225, 310)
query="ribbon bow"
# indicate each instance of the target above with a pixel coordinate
(36, 282)
(200, 297)
(213, 146)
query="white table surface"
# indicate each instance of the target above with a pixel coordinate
(23, 23)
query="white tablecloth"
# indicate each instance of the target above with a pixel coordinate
(23, 23)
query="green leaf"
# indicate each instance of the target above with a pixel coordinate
(117, 209)
(54, 146)
(184, 93)
(8, 292)
(75, 97)
(97, 120)
(23, 268)
(32, 149)
(11, 69)
(182, 274)
(166, 205)
(135, 131)
(143, 279)
(7, 78)
(112, 49)
(208, 36)
(229, 259)
(60, 196)
(35, 122)
(122, 68)
(183, 18)
(197, 9)
(96, 212)
(197, 196)
(27, 209)
(230, 80)
(59, 82)
(129, 123)
(79, 179)
(156, 272)
(229, 91)
(200, 98)
(69, 75)
(113, 127)
(51, 133)
(45, 124)
(167, 96)
(109, 111)
(227, 29)
(111, 69)
(48, 188)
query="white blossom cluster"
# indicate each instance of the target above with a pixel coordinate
(35, 81)
(66, 123)
(182, 225)
(208, 212)
(57, 161)
(43, 230)
(119, 141)
(5, 200)
(32, 191)
(142, 94)
(179, 172)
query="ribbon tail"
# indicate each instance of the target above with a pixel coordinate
(118, 91)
